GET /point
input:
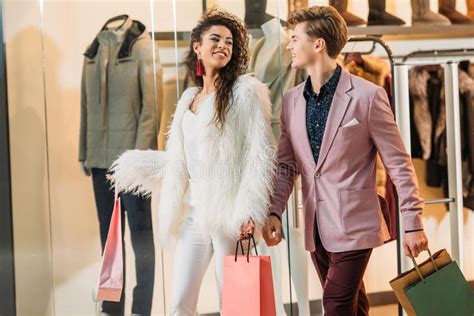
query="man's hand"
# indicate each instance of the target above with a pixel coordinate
(414, 243)
(272, 231)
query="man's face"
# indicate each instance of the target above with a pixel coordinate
(303, 49)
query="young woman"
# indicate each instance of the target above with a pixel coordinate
(214, 180)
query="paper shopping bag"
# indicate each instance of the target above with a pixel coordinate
(111, 271)
(401, 283)
(444, 292)
(248, 286)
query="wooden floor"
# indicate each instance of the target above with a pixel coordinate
(386, 310)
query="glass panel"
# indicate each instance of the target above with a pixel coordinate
(269, 71)
(289, 258)
(168, 50)
(29, 164)
(101, 84)
(58, 211)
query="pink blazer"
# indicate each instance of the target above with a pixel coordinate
(339, 192)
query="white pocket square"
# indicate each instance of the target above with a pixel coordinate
(351, 123)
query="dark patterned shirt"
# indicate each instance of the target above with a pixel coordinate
(317, 110)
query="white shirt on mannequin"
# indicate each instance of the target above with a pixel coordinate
(273, 33)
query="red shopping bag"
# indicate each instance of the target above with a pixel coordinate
(248, 285)
(111, 271)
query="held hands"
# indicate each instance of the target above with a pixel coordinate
(247, 229)
(272, 231)
(414, 243)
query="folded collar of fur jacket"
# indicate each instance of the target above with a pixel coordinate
(239, 166)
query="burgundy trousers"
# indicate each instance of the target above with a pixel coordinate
(341, 276)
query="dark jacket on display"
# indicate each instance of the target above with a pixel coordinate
(430, 121)
(119, 95)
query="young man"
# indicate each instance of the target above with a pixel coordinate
(332, 127)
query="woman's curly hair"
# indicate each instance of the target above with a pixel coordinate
(236, 66)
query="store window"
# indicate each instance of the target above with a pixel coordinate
(87, 81)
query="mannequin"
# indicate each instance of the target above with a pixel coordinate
(255, 14)
(270, 66)
(119, 100)
(298, 254)
(271, 43)
(266, 66)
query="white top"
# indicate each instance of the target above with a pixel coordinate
(192, 125)
(191, 131)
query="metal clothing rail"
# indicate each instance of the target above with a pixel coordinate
(464, 52)
(400, 100)
(453, 134)
(401, 265)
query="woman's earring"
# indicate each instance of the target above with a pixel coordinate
(200, 68)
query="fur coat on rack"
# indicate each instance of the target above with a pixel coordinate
(418, 79)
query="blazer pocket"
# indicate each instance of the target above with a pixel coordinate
(359, 211)
(350, 129)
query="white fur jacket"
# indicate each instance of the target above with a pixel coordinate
(239, 161)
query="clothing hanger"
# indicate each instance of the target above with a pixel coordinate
(123, 17)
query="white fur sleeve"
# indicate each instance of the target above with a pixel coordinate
(253, 198)
(138, 171)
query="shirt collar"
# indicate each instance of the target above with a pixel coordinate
(328, 86)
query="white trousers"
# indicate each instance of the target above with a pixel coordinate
(193, 254)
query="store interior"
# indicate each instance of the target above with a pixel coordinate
(57, 246)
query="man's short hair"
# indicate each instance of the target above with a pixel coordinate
(323, 22)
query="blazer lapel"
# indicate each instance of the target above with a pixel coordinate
(300, 126)
(339, 106)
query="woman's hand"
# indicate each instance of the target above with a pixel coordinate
(247, 229)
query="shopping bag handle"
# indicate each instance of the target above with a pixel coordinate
(239, 242)
(417, 267)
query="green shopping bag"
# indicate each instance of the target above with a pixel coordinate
(444, 292)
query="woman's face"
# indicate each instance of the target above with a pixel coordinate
(215, 48)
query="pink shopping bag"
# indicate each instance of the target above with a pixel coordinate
(111, 271)
(248, 285)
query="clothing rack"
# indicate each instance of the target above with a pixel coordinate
(400, 98)
(401, 262)
(453, 133)
(400, 103)
(464, 52)
(376, 40)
